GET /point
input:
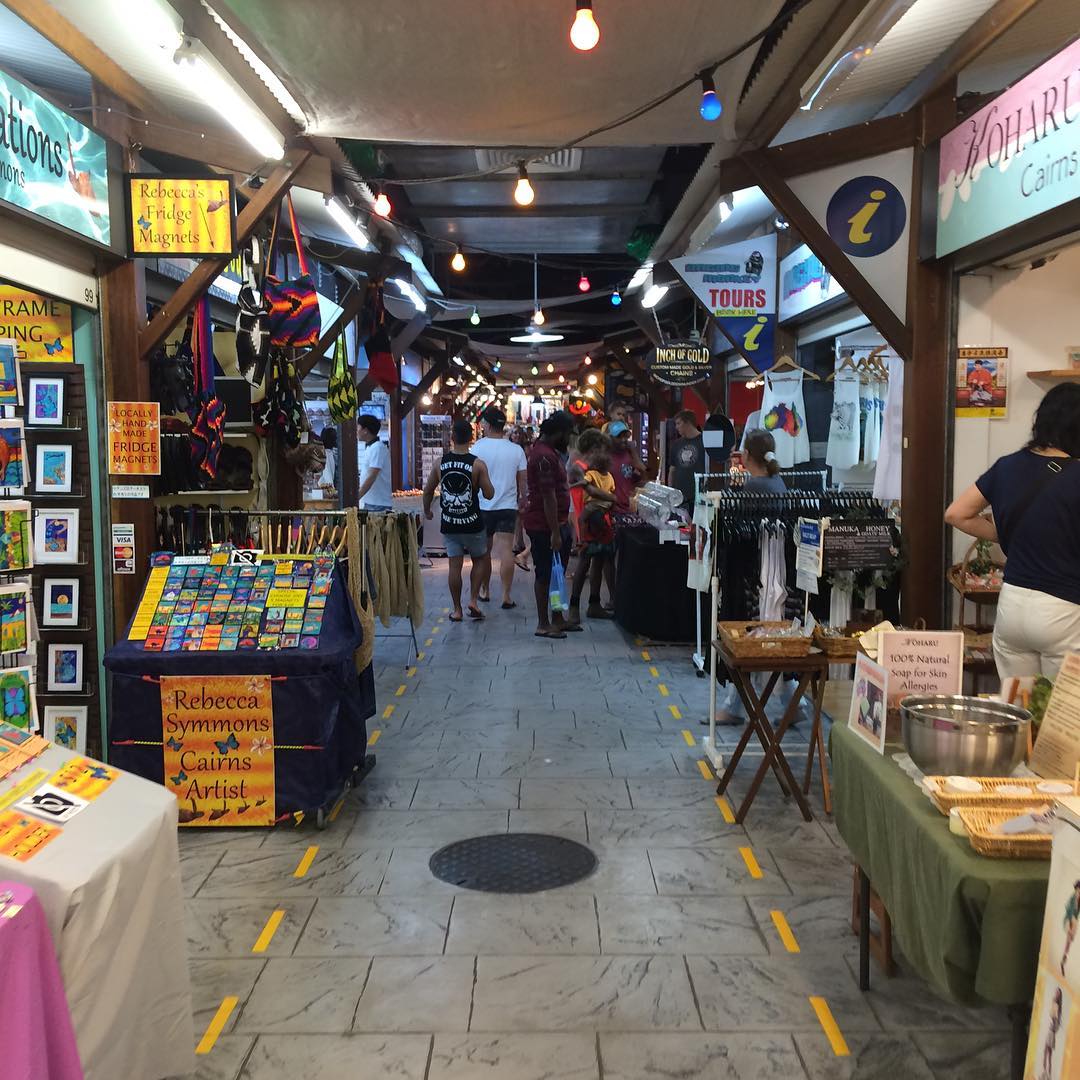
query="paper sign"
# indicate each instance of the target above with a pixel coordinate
(181, 215)
(131, 491)
(867, 717)
(982, 382)
(245, 556)
(144, 614)
(922, 662)
(84, 777)
(286, 598)
(39, 326)
(52, 804)
(858, 545)
(123, 547)
(134, 438)
(218, 736)
(22, 836)
(1057, 749)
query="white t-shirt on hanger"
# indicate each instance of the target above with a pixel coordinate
(783, 415)
(843, 448)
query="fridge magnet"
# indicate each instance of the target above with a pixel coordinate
(10, 383)
(46, 404)
(14, 625)
(65, 725)
(12, 456)
(53, 469)
(60, 602)
(15, 547)
(65, 668)
(17, 706)
(56, 536)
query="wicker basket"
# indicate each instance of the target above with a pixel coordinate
(734, 636)
(976, 593)
(839, 648)
(988, 798)
(980, 825)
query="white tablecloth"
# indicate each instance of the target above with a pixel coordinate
(110, 887)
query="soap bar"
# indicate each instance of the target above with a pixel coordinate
(963, 785)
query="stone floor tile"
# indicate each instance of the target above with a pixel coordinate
(578, 993)
(416, 763)
(416, 994)
(589, 794)
(568, 823)
(808, 873)
(553, 923)
(678, 926)
(322, 1057)
(587, 739)
(514, 1057)
(871, 1057)
(567, 764)
(305, 996)
(467, 794)
(212, 980)
(633, 763)
(959, 1056)
(195, 867)
(223, 928)
(376, 926)
(699, 1057)
(620, 871)
(224, 1062)
(673, 794)
(421, 828)
(382, 793)
(332, 873)
(818, 923)
(659, 828)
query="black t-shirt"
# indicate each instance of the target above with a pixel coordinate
(687, 458)
(1042, 545)
(457, 497)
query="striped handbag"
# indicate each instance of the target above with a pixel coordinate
(294, 318)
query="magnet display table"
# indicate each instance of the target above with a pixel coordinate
(109, 887)
(314, 742)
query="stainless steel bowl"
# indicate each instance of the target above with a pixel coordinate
(964, 736)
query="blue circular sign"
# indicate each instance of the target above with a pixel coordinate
(866, 216)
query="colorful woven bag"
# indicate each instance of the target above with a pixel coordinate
(294, 319)
(207, 431)
(341, 390)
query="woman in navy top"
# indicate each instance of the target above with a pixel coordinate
(1035, 498)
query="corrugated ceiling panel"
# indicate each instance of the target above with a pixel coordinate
(27, 55)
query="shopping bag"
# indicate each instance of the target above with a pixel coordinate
(294, 318)
(559, 589)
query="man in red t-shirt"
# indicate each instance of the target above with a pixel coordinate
(546, 515)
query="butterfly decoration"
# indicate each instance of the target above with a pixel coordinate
(15, 701)
(172, 744)
(260, 745)
(229, 744)
(255, 685)
(142, 222)
(215, 204)
(99, 772)
(55, 347)
(179, 778)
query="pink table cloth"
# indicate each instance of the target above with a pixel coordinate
(35, 1024)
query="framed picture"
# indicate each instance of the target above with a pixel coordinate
(17, 704)
(12, 456)
(60, 602)
(53, 469)
(56, 536)
(14, 621)
(16, 549)
(869, 711)
(46, 404)
(65, 668)
(65, 725)
(10, 383)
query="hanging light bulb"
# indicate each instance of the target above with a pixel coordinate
(474, 318)
(539, 318)
(551, 368)
(562, 378)
(426, 399)
(710, 107)
(458, 261)
(584, 34)
(382, 205)
(616, 298)
(587, 361)
(497, 366)
(523, 192)
(589, 392)
(535, 370)
(583, 283)
(591, 380)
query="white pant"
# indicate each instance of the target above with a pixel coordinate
(1033, 632)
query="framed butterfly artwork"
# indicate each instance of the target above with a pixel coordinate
(45, 406)
(64, 668)
(18, 706)
(65, 725)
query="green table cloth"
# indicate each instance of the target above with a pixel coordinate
(970, 925)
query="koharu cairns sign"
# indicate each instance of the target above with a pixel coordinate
(50, 164)
(1015, 158)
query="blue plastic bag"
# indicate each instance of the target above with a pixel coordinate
(559, 589)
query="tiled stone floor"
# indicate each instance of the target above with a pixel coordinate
(664, 964)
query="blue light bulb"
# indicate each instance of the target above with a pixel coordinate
(710, 106)
(616, 299)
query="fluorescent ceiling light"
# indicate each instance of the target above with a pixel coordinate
(459, 361)
(726, 208)
(347, 223)
(410, 293)
(653, 295)
(218, 89)
(227, 285)
(537, 337)
(641, 275)
(157, 23)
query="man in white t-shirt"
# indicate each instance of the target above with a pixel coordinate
(375, 486)
(506, 466)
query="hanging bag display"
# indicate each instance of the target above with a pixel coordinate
(381, 366)
(294, 318)
(341, 390)
(252, 321)
(207, 431)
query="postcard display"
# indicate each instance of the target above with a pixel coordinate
(48, 650)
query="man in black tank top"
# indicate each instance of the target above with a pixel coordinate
(459, 476)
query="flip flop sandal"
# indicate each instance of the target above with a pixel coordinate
(507, 607)
(484, 599)
(574, 628)
(476, 613)
(458, 619)
(549, 634)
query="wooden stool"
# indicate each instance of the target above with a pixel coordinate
(881, 942)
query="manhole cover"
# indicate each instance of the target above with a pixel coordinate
(513, 863)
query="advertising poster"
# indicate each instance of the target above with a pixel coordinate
(805, 283)
(682, 363)
(1057, 749)
(982, 382)
(181, 215)
(134, 438)
(39, 326)
(922, 662)
(218, 736)
(737, 284)
(868, 714)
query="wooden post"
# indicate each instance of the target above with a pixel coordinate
(395, 423)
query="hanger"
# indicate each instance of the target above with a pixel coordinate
(847, 363)
(785, 363)
(874, 362)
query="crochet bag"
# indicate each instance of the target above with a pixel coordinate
(341, 390)
(207, 430)
(252, 321)
(294, 318)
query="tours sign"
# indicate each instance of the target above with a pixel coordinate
(185, 215)
(134, 438)
(681, 363)
(51, 165)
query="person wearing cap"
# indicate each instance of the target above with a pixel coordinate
(507, 466)
(625, 466)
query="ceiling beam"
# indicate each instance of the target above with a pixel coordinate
(50, 24)
(408, 334)
(508, 178)
(352, 307)
(516, 213)
(975, 40)
(847, 144)
(180, 303)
